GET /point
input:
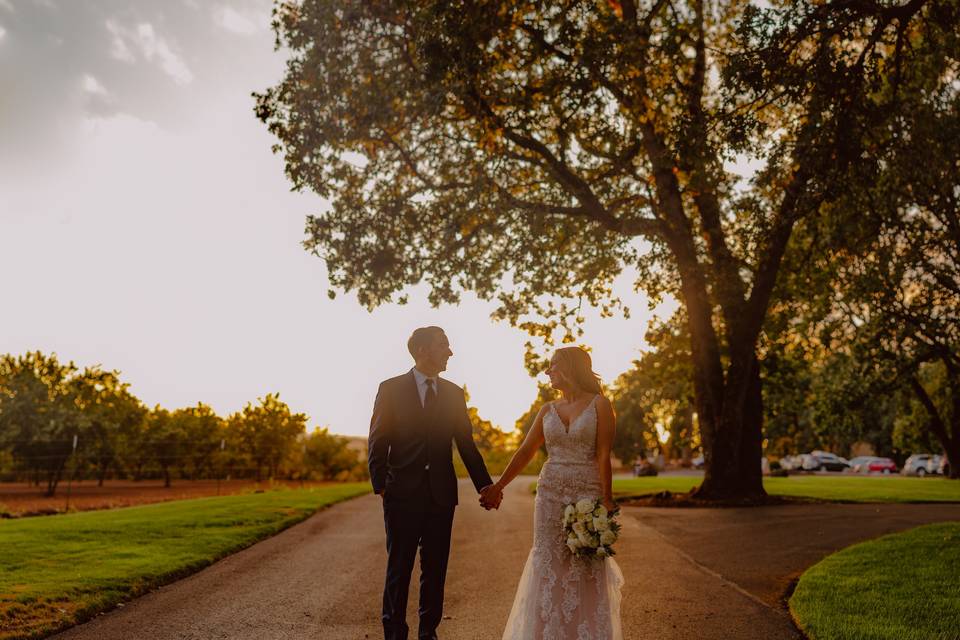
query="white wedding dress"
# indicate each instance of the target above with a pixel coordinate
(560, 596)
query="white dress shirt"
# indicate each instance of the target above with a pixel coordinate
(421, 379)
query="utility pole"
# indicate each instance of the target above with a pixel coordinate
(220, 470)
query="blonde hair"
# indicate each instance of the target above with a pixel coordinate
(581, 368)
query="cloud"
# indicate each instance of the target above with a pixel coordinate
(151, 46)
(118, 48)
(117, 130)
(232, 20)
(97, 100)
(92, 85)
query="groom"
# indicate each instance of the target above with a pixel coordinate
(416, 418)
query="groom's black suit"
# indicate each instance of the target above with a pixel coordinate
(411, 461)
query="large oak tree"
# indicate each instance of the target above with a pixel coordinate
(531, 151)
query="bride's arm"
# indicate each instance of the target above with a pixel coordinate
(525, 452)
(606, 428)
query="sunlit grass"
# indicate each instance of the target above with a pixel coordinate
(899, 587)
(834, 488)
(56, 571)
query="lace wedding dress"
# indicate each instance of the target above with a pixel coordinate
(560, 596)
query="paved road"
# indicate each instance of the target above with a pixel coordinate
(323, 577)
(763, 550)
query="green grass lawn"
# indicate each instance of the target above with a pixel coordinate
(899, 587)
(56, 571)
(835, 488)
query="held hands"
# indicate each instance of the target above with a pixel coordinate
(491, 496)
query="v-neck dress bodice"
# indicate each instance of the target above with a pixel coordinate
(560, 596)
(574, 444)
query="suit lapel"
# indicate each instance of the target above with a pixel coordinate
(412, 393)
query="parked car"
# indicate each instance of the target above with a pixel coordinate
(808, 462)
(826, 461)
(921, 464)
(882, 465)
(786, 462)
(859, 464)
(933, 465)
(697, 462)
(644, 468)
(791, 463)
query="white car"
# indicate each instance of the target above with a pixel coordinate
(920, 464)
(788, 463)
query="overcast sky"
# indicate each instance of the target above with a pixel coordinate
(146, 226)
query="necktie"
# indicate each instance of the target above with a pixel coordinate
(431, 396)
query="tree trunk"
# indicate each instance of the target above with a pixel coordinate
(950, 441)
(102, 474)
(53, 479)
(166, 477)
(952, 450)
(733, 458)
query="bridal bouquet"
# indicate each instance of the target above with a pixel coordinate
(590, 529)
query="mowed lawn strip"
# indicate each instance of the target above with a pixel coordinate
(832, 488)
(56, 571)
(902, 586)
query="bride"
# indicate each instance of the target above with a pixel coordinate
(561, 596)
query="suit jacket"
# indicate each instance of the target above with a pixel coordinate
(405, 437)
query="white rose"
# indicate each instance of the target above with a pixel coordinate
(600, 523)
(585, 540)
(569, 513)
(608, 537)
(601, 511)
(585, 506)
(578, 528)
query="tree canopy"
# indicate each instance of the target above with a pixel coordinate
(532, 151)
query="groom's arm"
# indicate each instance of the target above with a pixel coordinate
(378, 443)
(472, 460)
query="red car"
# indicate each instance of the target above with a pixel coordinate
(882, 465)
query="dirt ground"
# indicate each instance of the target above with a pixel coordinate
(21, 499)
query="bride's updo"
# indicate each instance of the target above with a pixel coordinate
(580, 367)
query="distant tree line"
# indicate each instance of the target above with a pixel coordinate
(56, 419)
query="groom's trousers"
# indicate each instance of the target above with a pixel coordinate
(415, 521)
